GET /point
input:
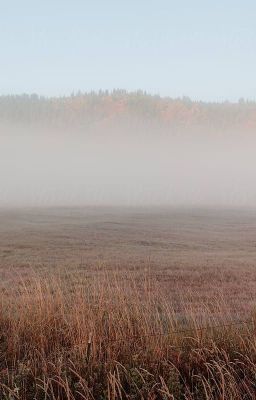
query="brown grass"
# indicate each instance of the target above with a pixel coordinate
(104, 304)
(114, 336)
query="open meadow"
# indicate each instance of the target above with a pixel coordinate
(118, 303)
(127, 200)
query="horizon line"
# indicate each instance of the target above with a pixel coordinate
(142, 92)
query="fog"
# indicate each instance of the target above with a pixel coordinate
(48, 168)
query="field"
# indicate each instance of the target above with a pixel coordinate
(111, 303)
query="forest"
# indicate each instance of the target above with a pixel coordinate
(112, 109)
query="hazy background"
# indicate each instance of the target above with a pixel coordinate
(201, 49)
(113, 167)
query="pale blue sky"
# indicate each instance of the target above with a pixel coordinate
(202, 49)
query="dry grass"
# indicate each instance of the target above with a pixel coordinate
(113, 336)
(117, 305)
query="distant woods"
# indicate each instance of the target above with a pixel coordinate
(104, 109)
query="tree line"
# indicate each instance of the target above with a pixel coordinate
(112, 108)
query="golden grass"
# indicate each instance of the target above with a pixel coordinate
(112, 335)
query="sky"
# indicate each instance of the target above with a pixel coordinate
(202, 49)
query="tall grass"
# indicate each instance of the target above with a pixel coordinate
(114, 336)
